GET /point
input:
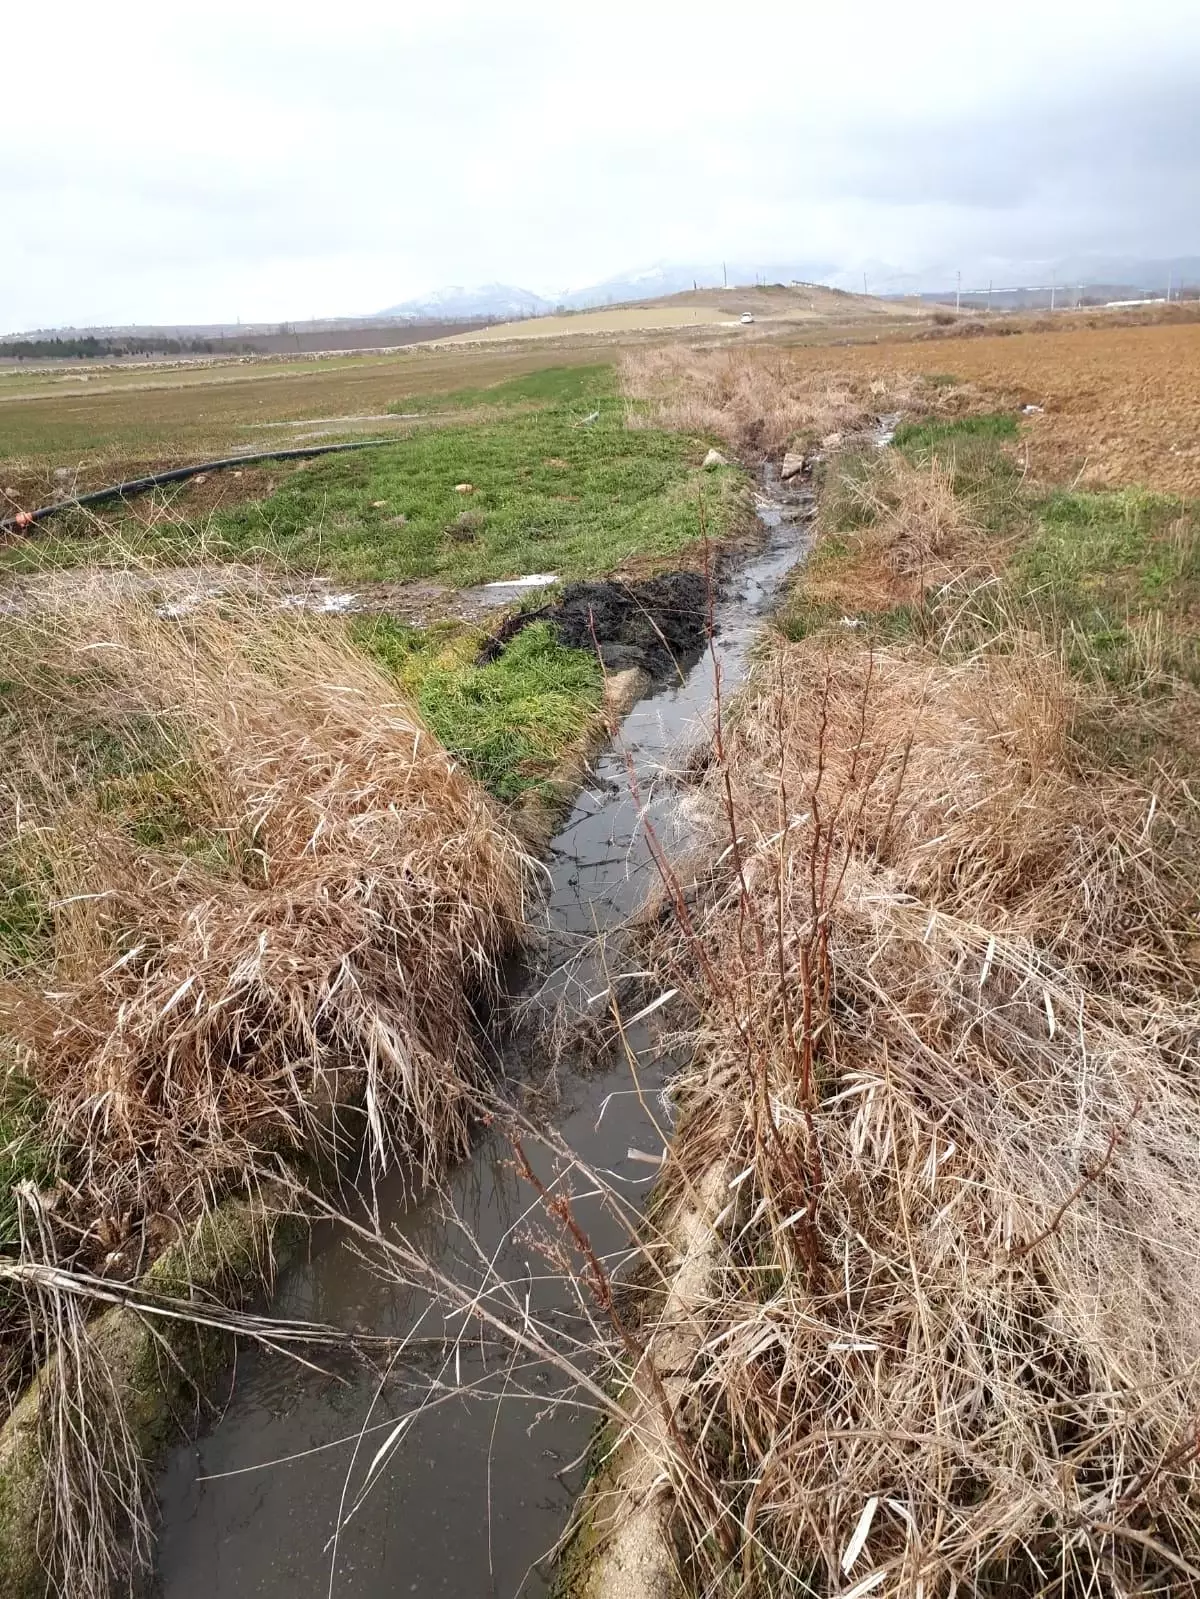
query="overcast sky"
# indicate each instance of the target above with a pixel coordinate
(277, 158)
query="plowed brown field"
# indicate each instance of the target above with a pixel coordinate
(1121, 405)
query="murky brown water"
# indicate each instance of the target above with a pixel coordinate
(483, 1484)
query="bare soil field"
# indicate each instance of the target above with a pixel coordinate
(1119, 404)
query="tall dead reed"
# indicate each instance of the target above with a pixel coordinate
(761, 401)
(251, 906)
(949, 1339)
(941, 1111)
(267, 890)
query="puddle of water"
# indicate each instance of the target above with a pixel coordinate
(480, 1488)
(886, 429)
(509, 589)
(314, 600)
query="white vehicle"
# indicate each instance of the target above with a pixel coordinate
(747, 316)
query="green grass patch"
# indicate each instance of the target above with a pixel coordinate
(510, 721)
(917, 437)
(555, 385)
(1118, 575)
(549, 493)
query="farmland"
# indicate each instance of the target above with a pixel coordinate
(933, 970)
(99, 425)
(1118, 403)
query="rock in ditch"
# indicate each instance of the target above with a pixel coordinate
(793, 466)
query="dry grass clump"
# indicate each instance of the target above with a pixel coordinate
(952, 1311)
(981, 801)
(916, 518)
(263, 890)
(762, 402)
(910, 533)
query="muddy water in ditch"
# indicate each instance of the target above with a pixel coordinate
(481, 1488)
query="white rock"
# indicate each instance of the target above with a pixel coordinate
(793, 465)
(714, 458)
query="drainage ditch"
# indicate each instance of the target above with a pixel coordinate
(482, 1487)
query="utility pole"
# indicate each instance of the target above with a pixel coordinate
(864, 282)
(1052, 296)
(1170, 284)
(958, 290)
(724, 274)
(989, 294)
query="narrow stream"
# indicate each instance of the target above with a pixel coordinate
(480, 1488)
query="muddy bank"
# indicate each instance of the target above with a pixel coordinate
(654, 624)
(155, 1366)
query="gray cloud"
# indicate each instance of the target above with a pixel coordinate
(283, 158)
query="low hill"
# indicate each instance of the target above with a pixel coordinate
(771, 306)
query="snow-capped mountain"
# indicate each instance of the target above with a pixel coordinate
(643, 283)
(485, 299)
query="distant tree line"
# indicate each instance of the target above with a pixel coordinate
(89, 348)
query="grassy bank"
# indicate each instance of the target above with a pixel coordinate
(180, 796)
(545, 492)
(509, 721)
(546, 477)
(937, 1136)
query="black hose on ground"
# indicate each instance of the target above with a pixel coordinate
(177, 474)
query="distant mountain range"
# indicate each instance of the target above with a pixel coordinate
(485, 299)
(1151, 276)
(645, 283)
(506, 300)
(1086, 277)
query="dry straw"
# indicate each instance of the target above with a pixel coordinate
(762, 401)
(281, 895)
(941, 1122)
(946, 1061)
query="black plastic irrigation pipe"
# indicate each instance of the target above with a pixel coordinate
(177, 474)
